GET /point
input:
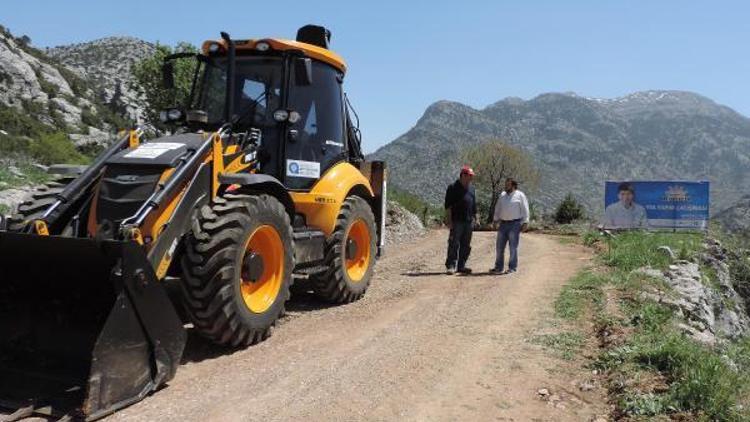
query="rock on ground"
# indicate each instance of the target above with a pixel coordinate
(710, 309)
(11, 198)
(401, 225)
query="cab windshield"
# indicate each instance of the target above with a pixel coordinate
(257, 91)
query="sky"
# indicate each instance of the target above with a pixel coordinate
(403, 56)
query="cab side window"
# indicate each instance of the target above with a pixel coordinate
(320, 140)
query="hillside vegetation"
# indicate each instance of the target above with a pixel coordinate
(62, 105)
(669, 315)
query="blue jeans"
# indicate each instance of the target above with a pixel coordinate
(459, 244)
(508, 233)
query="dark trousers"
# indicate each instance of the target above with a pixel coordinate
(509, 234)
(459, 244)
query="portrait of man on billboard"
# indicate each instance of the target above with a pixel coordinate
(625, 213)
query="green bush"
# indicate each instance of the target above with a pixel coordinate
(89, 118)
(115, 120)
(414, 204)
(147, 78)
(569, 210)
(590, 237)
(20, 123)
(651, 318)
(76, 83)
(632, 250)
(55, 148)
(644, 404)
(575, 296)
(700, 380)
(48, 88)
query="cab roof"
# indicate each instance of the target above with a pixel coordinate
(309, 50)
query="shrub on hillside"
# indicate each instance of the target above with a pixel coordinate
(147, 75)
(55, 148)
(569, 210)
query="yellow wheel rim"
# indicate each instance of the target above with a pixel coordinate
(357, 265)
(260, 294)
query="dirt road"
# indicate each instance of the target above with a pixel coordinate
(420, 346)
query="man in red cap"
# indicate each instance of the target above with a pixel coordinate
(461, 210)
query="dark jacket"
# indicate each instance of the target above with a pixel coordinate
(461, 201)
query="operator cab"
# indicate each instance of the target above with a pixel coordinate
(289, 93)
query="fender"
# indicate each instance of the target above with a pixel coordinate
(261, 183)
(321, 205)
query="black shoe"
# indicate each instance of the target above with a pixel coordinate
(464, 270)
(496, 271)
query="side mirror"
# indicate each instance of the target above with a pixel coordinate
(167, 75)
(302, 71)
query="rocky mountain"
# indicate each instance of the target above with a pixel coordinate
(736, 219)
(106, 63)
(30, 80)
(40, 94)
(580, 142)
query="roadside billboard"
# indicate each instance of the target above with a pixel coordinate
(659, 205)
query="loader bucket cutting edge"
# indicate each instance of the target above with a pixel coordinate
(85, 327)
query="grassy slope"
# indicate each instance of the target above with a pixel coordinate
(651, 369)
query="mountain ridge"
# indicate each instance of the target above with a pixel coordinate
(580, 141)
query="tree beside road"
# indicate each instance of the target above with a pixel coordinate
(495, 161)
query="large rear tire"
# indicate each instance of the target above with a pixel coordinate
(237, 268)
(350, 254)
(38, 202)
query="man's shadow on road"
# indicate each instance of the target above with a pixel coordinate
(436, 273)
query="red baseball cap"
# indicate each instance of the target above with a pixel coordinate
(467, 170)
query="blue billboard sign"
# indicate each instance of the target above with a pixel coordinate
(676, 205)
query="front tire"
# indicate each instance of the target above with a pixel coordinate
(350, 254)
(37, 204)
(237, 268)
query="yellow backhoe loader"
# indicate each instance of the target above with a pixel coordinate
(262, 182)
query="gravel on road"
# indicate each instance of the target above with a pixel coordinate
(421, 345)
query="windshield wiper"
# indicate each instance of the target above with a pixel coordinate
(251, 109)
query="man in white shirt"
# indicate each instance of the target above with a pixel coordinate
(512, 212)
(625, 213)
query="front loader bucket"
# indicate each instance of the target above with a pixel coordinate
(85, 327)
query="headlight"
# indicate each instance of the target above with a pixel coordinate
(170, 115)
(174, 114)
(280, 115)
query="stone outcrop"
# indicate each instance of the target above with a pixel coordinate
(708, 306)
(30, 81)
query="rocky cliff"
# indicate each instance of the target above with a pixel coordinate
(31, 81)
(39, 93)
(106, 64)
(736, 219)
